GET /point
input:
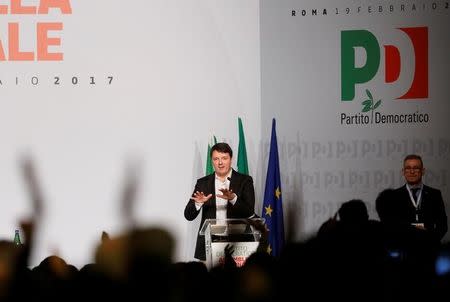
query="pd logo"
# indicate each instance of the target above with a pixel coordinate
(352, 75)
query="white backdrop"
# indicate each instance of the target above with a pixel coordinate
(182, 71)
(325, 160)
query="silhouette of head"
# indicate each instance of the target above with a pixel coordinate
(353, 212)
(388, 208)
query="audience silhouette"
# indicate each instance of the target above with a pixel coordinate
(351, 257)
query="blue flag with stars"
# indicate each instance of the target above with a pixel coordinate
(272, 210)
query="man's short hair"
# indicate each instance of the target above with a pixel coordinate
(222, 148)
(413, 156)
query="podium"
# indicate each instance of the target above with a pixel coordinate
(241, 234)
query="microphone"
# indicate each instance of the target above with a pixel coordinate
(229, 186)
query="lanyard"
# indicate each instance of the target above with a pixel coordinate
(415, 203)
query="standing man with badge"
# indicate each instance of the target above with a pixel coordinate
(423, 205)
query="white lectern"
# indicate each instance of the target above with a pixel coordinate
(241, 234)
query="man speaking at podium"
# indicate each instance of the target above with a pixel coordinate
(220, 195)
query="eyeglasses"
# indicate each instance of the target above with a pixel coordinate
(412, 169)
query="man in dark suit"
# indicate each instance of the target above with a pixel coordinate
(221, 195)
(423, 206)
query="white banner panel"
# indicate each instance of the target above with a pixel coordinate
(354, 86)
(88, 85)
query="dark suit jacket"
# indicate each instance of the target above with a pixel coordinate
(431, 210)
(244, 207)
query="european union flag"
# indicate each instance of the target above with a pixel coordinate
(272, 206)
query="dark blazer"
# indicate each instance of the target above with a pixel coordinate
(244, 207)
(431, 210)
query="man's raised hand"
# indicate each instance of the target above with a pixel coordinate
(226, 194)
(200, 197)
